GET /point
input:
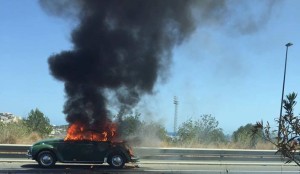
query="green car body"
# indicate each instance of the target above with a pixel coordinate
(47, 152)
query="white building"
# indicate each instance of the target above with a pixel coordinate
(6, 117)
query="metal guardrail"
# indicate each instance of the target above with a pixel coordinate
(207, 154)
(12, 151)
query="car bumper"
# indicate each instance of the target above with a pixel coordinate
(29, 155)
(134, 159)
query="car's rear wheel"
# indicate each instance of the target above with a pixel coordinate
(116, 160)
(46, 159)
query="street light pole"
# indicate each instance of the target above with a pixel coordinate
(282, 94)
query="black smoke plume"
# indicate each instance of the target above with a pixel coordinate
(120, 46)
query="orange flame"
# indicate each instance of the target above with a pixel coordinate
(78, 131)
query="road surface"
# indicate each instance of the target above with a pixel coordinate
(175, 167)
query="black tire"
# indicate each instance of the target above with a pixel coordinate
(46, 159)
(116, 160)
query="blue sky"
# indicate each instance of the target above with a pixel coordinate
(234, 76)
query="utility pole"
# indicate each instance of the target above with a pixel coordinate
(282, 94)
(175, 114)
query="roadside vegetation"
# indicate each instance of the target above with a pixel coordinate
(286, 137)
(26, 131)
(203, 132)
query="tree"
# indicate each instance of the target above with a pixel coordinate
(208, 130)
(38, 122)
(152, 133)
(139, 132)
(187, 131)
(243, 135)
(129, 125)
(289, 130)
(205, 130)
(154, 129)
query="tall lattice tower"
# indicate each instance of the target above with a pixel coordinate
(175, 114)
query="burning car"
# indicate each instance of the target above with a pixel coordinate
(48, 152)
(82, 145)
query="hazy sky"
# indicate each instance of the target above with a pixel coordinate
(231, 69)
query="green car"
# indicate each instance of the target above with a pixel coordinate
(48, 152)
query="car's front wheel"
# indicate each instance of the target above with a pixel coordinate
(116, 160)
(46, 159)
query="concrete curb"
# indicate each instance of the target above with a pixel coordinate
(177, 162)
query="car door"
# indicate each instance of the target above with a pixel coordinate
(101, 149)
(77, 151)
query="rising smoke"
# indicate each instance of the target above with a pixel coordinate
(120, 46)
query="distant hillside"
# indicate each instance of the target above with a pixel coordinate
(59, 131)
(6, 117)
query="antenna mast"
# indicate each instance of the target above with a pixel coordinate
(175, 114)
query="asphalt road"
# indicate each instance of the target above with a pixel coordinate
(182, 167)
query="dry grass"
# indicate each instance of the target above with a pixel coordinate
(30, 139)
(259, 146)
(17, 133)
